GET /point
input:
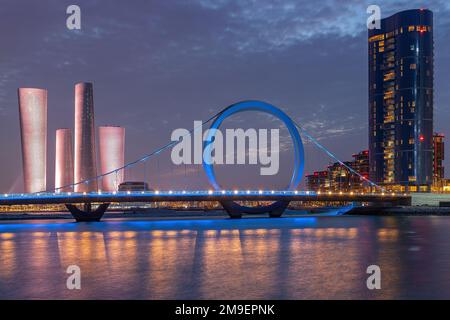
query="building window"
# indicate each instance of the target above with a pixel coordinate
(412, 66)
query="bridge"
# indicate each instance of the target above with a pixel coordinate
(90, 206)
(225, 197)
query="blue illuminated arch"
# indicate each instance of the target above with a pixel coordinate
(254, 105)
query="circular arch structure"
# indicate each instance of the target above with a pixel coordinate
(275, 209)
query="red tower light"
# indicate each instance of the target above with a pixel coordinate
(421, 138)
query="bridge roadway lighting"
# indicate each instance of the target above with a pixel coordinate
(157, 192)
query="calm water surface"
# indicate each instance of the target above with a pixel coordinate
(253, 258)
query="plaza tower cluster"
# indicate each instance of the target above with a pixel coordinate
(75, 156)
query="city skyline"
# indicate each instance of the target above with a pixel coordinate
(185, 99)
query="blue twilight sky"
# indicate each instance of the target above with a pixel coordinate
(160, 65)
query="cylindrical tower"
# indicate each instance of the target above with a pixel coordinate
(112, 155)
(63, 160)
(33, 129)
(85, 160)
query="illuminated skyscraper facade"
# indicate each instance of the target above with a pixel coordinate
(438, 158)
(85, 166)
(33, 129)
(112, 155)
(63, 160)
(401, 101)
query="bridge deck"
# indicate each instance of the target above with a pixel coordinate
(158, 196)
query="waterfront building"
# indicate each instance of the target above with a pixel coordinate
(85, 166)
(33, 131)
(318, 181)
(438, 159)
(63, 160)
(134, 186)
(401, 101)
(339, 178)
(112, 156)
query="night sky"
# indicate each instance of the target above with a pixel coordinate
(160, 65)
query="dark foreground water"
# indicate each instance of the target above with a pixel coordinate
(255, 258)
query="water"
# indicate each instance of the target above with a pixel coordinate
(218, 258)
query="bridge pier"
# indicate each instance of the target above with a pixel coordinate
(235, 211)
(87, 214)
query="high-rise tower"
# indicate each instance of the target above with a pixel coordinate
(438, 158)
(112, 155)
(401, 101)
(33, 129)
(63, 160)
(85, 166)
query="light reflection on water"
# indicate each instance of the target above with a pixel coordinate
(258, 258)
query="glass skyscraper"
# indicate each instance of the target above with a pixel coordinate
(401, 101)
